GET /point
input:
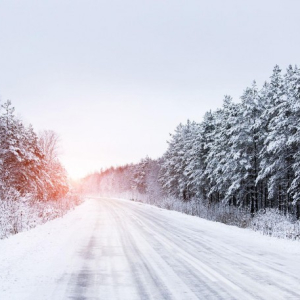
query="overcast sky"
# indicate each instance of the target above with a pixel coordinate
(113, 78)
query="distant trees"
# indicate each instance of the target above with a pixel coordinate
(136, 179)
(28, 163)
(244, 154)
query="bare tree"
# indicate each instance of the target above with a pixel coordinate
(49, 144)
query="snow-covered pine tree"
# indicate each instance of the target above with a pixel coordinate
(292, 88)
(175, 173)
(275, 164)
(21, 158)
(218, 169)
(244, 148)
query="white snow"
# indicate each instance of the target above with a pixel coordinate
(117, 249)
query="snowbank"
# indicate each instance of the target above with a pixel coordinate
(23, 213)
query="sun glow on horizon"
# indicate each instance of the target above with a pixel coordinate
(78, 169)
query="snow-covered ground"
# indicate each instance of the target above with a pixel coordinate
(117, 249)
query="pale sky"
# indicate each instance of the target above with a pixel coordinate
(113, 78)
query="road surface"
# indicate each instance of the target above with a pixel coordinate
(117, 249)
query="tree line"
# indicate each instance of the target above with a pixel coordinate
(245, 154)
(28, 162)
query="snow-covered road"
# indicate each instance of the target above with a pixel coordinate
(117, 249)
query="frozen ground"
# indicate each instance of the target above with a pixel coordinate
(117, 249)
